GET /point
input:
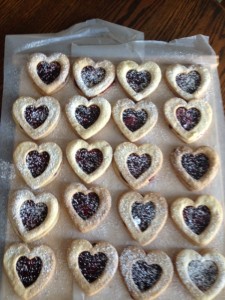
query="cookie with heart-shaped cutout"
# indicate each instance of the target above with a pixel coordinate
(189, 120)
(88, 117)
(147, 275)
(195, 168)
(144, 216)
(49, 73)
(38, 164)
(202, 274)
(33, 216)
(93, 266)
(29, 270)
(135, 120)
(188, 82)
(93, 78)
(136, 165)
(38, 118)
(87, 207)
(138, 81)
(199, 220)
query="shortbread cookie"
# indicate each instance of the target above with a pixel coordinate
(38, 118)
(49, 73)
(188, 82)
(188, 120)
(202, 274)
(93, 266)
(28, 270)
(33, 216)
(88, 117)
(144, 216)
(199, 220)
(139, 81)
(87, 207)
(89, 161)
(93, 78)
(195, 168)
(146, 275)
(38, 164)
(137, 164)
(135, 120)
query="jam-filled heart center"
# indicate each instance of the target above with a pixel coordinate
(138, 81)
(134, 119)
(36, 116)
(87, 116)
(85, 205)
(89, 161)
(92, 266)
(195, 165)
(189, 82)
(48, 72)
(37, 162)
(203, 273)
(188, 118)
(138, 164)
(28, 269)
(92, 76)
(143, 214)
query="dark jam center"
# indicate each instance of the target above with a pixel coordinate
(35, 117)
(85, 205)
(28, 269)
(137, 165)
(134, 119)
(145, 276)
(48, 72)
(197, 219)
(188, 118)
(189, 82)
(92, 266)
(86, 116)
(89, 161)
(92, 76)
(138, 81)
(195, 165)
(203, 274)
(143, 214)
(37, 162)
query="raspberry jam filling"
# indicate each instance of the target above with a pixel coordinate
(145, 276)
(195, 165)
(143, 214)
(189, 82)
(137, 165)
(89, 161)
(28, 269)
(203, 274)
(85, 205)
(138, 81)
(37, 162)
(134, 119)
(35, 117)
(92, 266)
(197, 219)
(92, 76)
(188, 118)
(86, 116)
(48, 72)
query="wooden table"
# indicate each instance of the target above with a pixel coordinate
(158, 19)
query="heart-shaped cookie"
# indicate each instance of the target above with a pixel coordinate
(38, 164)
(137, 164)
(38, 118)
(199, 220)
(33, 216)
(202, 274)
(144, 216)
(29, 271)
(49, 73)
(92, 266)
(188, 120)
(93, 78)
(87, 207)
(195, 168)
(138, 81)
(188, 82)
(88, 117)
(89, 161)
(146, 275)
(135, 120)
